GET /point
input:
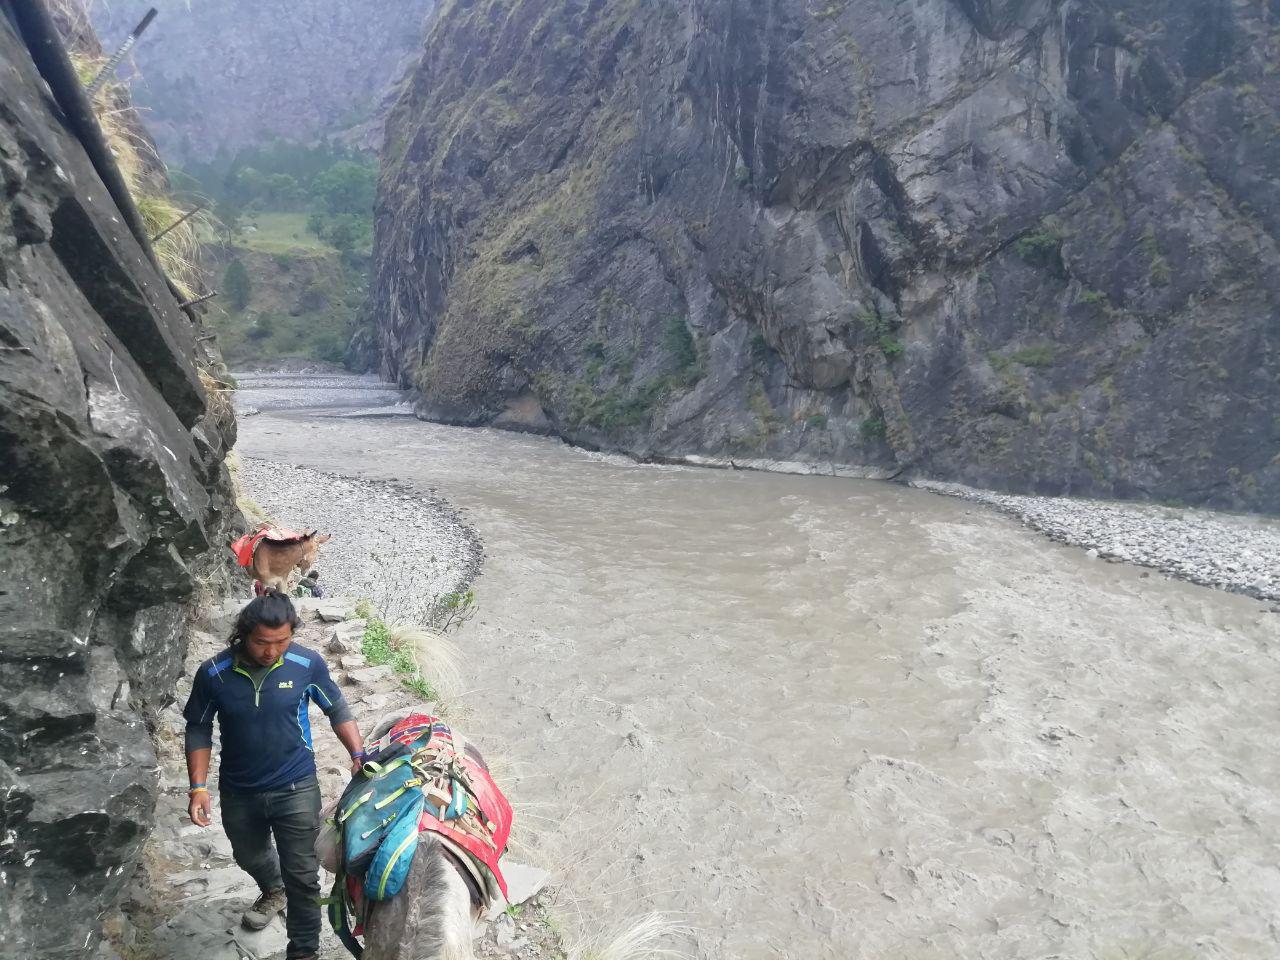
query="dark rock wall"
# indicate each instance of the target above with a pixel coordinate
(226, 74)
(114, 507)
(1024, 244)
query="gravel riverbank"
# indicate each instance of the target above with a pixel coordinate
(1234, 552)
(1240, 553)
(400, 549)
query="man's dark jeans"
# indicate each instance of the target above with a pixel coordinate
(292, 815)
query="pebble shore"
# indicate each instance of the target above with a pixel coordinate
(399, 548)
(1232, 552)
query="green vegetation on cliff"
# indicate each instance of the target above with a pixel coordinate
(290, 303)
(295, 229)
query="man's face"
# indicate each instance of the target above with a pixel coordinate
(265, 645)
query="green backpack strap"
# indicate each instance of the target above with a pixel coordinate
(339, 918)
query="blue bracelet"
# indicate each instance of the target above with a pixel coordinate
(196, 786)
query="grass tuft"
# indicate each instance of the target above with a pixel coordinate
(873, 428)
(427, 661)
(252, 511)
(640, 939)
(432, 654)
(178, 250)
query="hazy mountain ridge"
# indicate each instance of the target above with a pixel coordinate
(237, 72)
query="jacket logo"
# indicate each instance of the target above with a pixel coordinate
(286, 684)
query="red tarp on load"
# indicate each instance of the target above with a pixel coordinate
(494, 807)
(244, 547)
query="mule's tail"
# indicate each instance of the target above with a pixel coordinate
(429, 919)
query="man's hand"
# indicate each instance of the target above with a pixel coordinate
(348, 735)
(200, 809)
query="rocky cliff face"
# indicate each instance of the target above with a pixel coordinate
(236, 72)
(114, 504)
(1027, 244)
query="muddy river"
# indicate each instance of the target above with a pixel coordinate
(811, 717)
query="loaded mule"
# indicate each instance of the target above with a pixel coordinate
(415, 843)
(272, 554)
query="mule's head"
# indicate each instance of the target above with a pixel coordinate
(311, 543)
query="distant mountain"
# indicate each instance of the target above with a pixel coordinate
(225, 74)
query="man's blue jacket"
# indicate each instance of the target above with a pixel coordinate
(266, 735)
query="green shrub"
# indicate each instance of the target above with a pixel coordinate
(378, 649)
(330, 347)
(1041, 248)
(615, 410)
(759, 348)
(679, 343)
(873, 323)
(762, 407)
(1160, 275)
(1041, 356)
(818, 421)
(237, 286)
(421, 686)
(346, 187)
(873, 428)
(891, 347)
(376, 645)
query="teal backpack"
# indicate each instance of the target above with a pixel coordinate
(380, 808)
(378, 826)
(377, 820)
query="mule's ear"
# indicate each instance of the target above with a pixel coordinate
(308, 534)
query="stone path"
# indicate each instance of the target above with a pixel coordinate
(189, 895)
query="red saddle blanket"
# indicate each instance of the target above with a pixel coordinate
(244, 547)
(481, 834)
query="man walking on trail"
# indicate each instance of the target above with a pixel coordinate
(259, 689)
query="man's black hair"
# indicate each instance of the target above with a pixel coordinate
(272, 609)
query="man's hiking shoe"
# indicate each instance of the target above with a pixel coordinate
(263, 910)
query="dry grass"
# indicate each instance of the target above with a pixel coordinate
(435, 656)
(75, 13)
(639, 939)
(248, 506)
(219, 394)
(179, 250)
